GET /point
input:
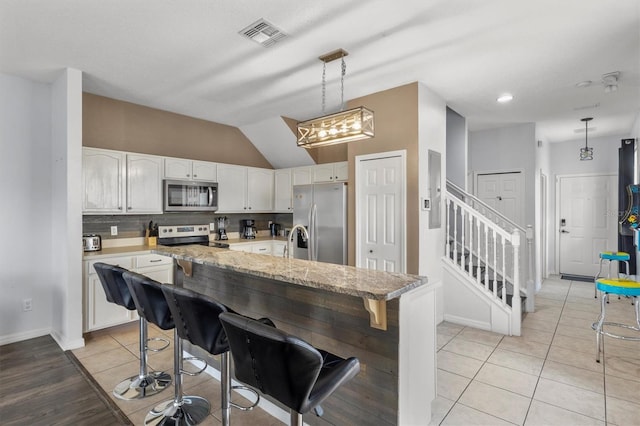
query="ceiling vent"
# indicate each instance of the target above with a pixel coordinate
(263, 33)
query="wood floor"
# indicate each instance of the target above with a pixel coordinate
(42, 385)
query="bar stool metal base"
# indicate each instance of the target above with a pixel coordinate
(137, 387)
(190, 411)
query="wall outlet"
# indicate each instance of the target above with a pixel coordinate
(114, 230)
(27, 305)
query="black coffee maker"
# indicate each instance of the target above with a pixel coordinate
(248, 230)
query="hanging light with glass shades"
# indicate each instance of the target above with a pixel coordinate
(586, 153)
(344, 126)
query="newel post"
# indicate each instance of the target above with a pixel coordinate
(530, 303)
(516, 303)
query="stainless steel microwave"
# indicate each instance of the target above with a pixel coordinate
(190, 196)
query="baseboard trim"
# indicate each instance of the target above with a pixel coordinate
(26, 335)
(467, 322)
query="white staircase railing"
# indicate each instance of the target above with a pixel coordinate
(485, 246)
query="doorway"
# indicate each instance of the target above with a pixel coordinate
(587, 222)
(380, 211)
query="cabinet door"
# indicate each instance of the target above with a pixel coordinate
(177, 168)
(144, 184)
(232, 188)
(341, 171)
(282, 190)
(101, 313)
(103, 174)
(241, 247)
(323, 173)
(204, 170)
(278, 248)
(259, 190)
(301, 175)
(162, 274)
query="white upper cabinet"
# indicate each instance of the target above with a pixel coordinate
(205, 171)
(331, 172)
(282, 197)
(259, 189)
(115, 182)
(102, 174)
(244, 189)
(179, 168)
(302, 175)
(144, 184)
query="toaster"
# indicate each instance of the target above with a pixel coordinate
(91, 242)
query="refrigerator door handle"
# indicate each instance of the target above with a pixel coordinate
(311, 235)
(315, 233)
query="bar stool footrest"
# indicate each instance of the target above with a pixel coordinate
(617, 336)
(249, 407)
(194, 358)
(167, 342)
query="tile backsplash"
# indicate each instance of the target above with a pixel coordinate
(131, 226)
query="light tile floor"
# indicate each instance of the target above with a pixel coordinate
(548, 376)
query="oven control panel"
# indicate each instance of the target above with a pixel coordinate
(174, 231)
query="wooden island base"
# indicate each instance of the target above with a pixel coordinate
(397, 382)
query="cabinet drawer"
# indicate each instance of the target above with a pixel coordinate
(264, 248)
(145, 260)
(123, 262)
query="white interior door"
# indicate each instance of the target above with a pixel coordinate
(380, 214)
(588, 221)
(504, 193)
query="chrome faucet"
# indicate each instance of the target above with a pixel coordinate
(305, 235)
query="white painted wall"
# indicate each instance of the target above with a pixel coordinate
(66, 209)
(507, 149)
(274, 139)
(25, 185)
(432, 135)
(457, 148)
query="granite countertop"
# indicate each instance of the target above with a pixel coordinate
(370, 284)
(114, 251)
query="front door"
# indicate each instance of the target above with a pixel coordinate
(380, 208)
(588, 221)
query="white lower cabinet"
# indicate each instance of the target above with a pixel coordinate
(98, 311)
(272, 248)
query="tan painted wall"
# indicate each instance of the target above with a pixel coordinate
(396, 128)
(113, 124)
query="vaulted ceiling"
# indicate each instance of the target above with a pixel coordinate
(188, 56)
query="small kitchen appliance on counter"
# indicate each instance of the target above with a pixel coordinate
(248, 230)
(91, 242)
(221, 223)
(274, 229)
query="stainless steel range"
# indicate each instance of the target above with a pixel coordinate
(180, 235)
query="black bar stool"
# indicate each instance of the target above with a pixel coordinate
(151, 303)
(197, 320)
(145, 383)
(284, 366)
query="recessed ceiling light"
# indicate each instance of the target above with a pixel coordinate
(507, 97)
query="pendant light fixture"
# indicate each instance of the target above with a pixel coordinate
(344, 126)
(586, 153)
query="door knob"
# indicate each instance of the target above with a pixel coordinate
(564, 231)
(370, 251)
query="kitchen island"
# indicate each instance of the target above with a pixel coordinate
(387, 320)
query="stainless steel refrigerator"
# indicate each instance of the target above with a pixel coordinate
(322, 209)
